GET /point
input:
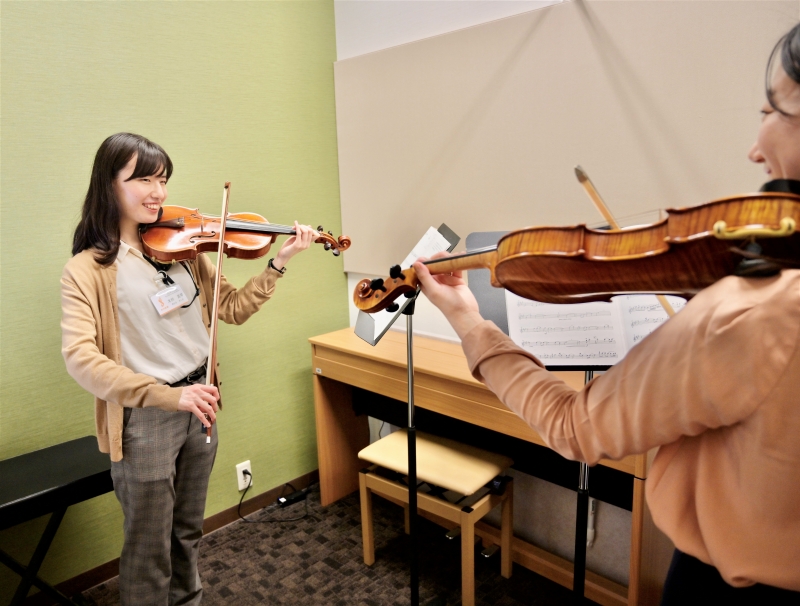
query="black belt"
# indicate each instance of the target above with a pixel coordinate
(192, 378)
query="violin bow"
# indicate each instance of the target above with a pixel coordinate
(211, 373)
(594, 196)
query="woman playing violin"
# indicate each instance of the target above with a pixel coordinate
(146, 366)
(716, 388)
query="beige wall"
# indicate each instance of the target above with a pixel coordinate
(239, 91)
(481, 128)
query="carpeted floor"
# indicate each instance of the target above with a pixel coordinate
(318, 561)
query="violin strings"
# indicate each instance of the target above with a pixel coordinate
(469, 253)
(258, 225)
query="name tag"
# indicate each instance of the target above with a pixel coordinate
(169, 299)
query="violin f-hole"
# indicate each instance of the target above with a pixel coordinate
(209, 235)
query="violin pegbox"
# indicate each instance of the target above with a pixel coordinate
(396, 273)
(378, 294)
(329, 242)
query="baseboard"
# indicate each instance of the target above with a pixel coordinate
(109, 570)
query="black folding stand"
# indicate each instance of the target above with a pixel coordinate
(581, 523)
(365, 329)
(49, 481)
(492, 304)
(412, 456)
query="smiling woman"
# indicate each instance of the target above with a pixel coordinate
(776, 145)
(132, 337)
(714, 388)
(121, 158)
(139, 198)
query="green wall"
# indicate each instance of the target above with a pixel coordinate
(236, 91)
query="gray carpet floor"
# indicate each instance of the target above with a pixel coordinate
(317, 560)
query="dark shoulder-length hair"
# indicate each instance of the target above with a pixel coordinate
(99, 224)
(787, 51)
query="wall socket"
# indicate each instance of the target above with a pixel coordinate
(244, 481)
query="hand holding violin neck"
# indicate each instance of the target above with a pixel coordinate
(480, 258)
(380, 293)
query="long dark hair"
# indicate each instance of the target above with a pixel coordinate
(99, 224)
(788, 50)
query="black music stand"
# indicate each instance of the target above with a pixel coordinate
(492, 305)
(366, 330)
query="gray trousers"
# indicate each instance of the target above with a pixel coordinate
(161, 483)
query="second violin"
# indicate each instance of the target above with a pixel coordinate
(181, 233)
(691, 249)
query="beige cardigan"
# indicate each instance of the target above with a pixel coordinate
(718, 388)
(90, 341)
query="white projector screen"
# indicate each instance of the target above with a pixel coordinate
(481, 128)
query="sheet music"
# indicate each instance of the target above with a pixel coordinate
(430, 243)
(642, 314)
(592, 334)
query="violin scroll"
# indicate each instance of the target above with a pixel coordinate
(378, 294)
(331, 243)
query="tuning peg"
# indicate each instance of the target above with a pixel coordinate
(320, 228)
(336, 252)
(330, 233)
(395, 273)
(393, 308)
(377, 284)
(327, 246)
(410, 294)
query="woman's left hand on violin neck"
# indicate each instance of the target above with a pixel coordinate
(305, 236)
(450, 293)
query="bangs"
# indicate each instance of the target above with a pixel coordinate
(151, 160)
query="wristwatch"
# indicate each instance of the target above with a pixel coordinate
(271, 265)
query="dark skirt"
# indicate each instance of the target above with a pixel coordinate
(690, 581)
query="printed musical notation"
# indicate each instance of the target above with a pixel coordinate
(571, 342)
(644, 321)
(641, 317)
(571, 328)
(579, 337)
(598, 357)
(565, 315)
(635, 308)
(657, 307)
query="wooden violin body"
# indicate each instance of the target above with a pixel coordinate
(687, 251)
(181, 233)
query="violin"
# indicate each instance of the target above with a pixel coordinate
(181, 233)
(688, 250)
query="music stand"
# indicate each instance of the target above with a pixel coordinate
(492, 306)
(371, 331)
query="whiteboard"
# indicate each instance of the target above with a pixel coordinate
(481, 128)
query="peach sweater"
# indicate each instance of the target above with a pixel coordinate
(718, 388)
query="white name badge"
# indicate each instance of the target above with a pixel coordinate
(169, 299)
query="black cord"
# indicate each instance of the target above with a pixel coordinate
(249, 482)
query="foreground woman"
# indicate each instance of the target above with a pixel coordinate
(716, 388)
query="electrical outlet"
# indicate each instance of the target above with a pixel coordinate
(244, 481)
